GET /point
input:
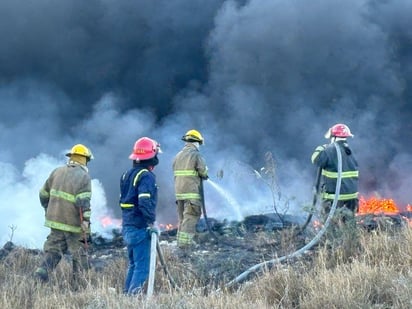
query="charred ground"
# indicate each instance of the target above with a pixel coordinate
(224, 250)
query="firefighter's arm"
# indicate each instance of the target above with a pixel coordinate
(202, 169)
(44, 196)
(317, 154)
(83, 203)
(85, 215)
(44, 193)
(147, 198)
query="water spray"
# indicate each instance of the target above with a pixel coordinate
(240, 278)
(228, 197)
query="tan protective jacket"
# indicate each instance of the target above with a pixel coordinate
(189, 169)
(65, 196)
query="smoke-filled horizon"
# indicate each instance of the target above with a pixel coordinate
(252, 76)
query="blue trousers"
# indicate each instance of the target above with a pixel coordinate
(138, 251)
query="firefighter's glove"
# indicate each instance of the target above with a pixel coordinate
(205, 177)
(153, 229)
(85, 226)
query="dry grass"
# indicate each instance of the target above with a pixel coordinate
(372, 270)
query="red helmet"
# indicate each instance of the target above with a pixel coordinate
(339, 130)
(144, 149)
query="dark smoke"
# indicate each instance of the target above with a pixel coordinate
(252, 76)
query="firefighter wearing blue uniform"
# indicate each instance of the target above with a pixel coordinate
(325, 157)
(138, 199)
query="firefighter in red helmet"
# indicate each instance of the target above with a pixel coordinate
(138, 199)
(325, 157)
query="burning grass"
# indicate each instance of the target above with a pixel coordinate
(369, 270)
(374, 205)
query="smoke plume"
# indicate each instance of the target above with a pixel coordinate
(254, 77)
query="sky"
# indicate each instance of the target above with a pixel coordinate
(254, 77)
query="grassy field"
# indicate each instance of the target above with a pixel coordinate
(371, 270)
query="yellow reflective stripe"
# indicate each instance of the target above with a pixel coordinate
(84, 195)
(342, 197)
(63, 195)
(188, 196)
(136, 178)
(87, 214)
(348, 174)
(62, 226)
(316, 153)
(70, 197)
(186, 173)
(184, 238)
(44, 193)
(124, 205)
(144, 195)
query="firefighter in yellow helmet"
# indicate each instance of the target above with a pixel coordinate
(190, 170)
(65, 197)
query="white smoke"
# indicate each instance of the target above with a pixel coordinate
(22, 215)
(252, 76)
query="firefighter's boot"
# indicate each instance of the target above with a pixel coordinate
(41, 274)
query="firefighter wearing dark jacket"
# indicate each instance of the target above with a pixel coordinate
(65, 197)
(325, 157)
(190, 170)
(138, 199)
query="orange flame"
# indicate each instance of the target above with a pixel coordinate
(379, 206)
(374, 205)
(317, 225)
(166, 227)
(107, 221)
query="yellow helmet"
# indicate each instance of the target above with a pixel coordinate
(80, 150)
(193, 136)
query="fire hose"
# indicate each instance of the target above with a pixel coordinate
(314, 241)
(209, 228)
(152, 263)
(159, 250)
(155, 246)
(240, 278)
(163, 263)
(316, 188)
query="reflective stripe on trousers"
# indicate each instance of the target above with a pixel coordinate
(184, 239)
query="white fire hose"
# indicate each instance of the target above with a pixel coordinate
(272, 262)
(259, 266)
(152, 265)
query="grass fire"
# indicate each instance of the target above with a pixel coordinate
(380, 256)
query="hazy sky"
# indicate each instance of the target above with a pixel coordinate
(251, 76)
